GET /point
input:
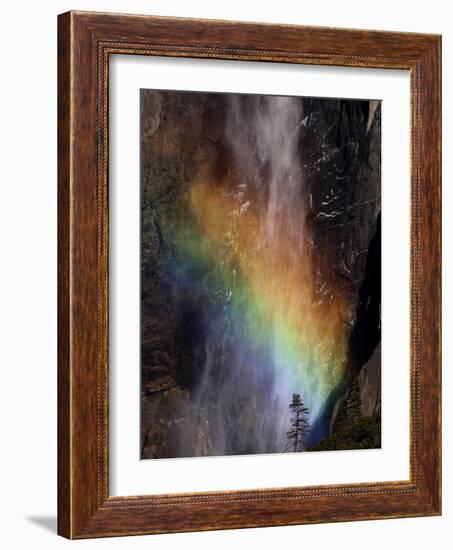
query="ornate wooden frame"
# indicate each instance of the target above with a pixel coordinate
(85, 42)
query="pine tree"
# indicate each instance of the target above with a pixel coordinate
(299, 425)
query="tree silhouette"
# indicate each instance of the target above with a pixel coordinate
(299, 425)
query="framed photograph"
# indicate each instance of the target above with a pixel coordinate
(249, 275)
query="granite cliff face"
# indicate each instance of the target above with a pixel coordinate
(199, 397)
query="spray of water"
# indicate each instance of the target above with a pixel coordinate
(269, 334)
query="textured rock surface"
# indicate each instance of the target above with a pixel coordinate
(370, 384)
(339, 147)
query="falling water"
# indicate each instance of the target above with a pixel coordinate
(268, 332)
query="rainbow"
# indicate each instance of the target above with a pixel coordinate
(261, 263)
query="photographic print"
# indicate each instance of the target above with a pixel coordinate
(260, 274)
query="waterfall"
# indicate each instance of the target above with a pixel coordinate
(256, 224)
(250, 371)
